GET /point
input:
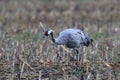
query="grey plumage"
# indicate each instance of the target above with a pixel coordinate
(71, 38)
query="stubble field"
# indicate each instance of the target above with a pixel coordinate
(26, 54)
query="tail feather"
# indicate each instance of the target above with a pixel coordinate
(88, 42)
(91, 42)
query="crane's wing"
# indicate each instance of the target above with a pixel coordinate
(68, 38)
(86, 39)
(81, 37)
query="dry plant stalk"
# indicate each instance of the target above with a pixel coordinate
(89, 76)
(109, 76)
(22, 69)
(65, 77)
(97, 75)
(84, 56)
(61, 46)
(13, 66)
(25, 62)
(87, 67)
(42, 27)
(41, 48)
(40, 75)
(105, 63)
(119, 76)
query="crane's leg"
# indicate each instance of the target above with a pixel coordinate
(77, 52)
(76, 58)
(76, 55)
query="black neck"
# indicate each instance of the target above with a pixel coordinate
(53, 39)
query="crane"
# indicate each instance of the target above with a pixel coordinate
(71, 38)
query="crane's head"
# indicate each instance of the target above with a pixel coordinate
(48, 32)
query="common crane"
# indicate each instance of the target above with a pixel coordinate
(71, 38)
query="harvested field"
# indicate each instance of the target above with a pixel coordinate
(26, 54)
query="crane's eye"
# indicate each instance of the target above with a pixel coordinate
(46, 33)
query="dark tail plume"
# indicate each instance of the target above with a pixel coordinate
(89, 42)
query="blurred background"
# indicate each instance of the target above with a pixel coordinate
(22, 43)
